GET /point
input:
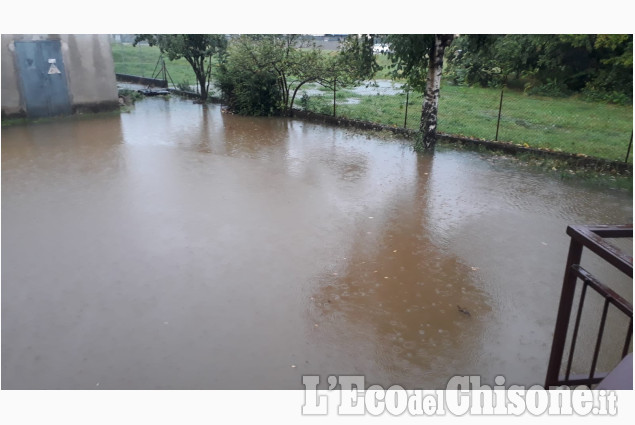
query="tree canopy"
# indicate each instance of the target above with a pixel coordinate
(263, 73)
(599, 66)
(416, 57)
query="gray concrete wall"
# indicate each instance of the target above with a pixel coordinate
(12, 104)
(90, 72)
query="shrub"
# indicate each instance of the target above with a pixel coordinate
(248, 93)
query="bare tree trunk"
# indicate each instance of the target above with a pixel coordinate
(428, 126)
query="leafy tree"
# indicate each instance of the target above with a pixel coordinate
(419, 58)
(621, 47)
(613, 79)
(196, 49)
(490, 60)
(356, 57)
(254, 61)
(249, 86)
(597, 65)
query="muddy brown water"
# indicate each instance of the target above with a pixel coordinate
(177, 247)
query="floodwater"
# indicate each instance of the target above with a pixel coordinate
(178, 247)
(367, 88)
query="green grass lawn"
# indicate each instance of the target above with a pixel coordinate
(563, 124)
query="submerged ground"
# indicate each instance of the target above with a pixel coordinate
(177, 247)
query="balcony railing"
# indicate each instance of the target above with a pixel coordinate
(593, 238)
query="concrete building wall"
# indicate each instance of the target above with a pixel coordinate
(90, 72)
(12, 104)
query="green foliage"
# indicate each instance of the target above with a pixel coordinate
(304, 101)
(357, 56)
(599, 65)
(196, 49)
(248, 93)
(598, 94)
(467, 64)
(262, 63)
(410, 54)
(247, 80)
(419, 58)
(551, 88)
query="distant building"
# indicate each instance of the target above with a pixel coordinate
(123, 38)
(328, 41)
(49, 75)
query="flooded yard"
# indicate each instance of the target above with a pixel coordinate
(178, 247)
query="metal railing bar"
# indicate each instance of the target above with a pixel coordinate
(612, 230)
(574, 337)
(616, 299)
(627, 343)
(564, 314)
(592, 238)
(596, 352)
(605, 250)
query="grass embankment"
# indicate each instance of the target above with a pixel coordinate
(560, 124)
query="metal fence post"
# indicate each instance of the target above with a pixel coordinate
(500, 108)
(334, 92)
(405, 120)
(628, 152)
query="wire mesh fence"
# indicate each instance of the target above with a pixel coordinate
(561, 124)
